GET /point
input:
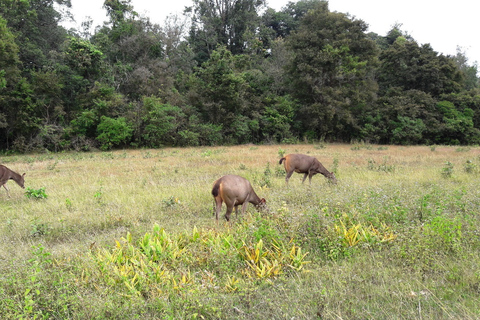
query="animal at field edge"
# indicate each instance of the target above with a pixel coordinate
(234, 191)
(308, 165)
(7, 174)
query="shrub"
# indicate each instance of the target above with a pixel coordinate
(113, 132)
(447, 170)
(36, 193)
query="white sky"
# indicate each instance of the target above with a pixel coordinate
(443, 24)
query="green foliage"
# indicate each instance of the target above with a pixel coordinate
(113, 132)
(408, 66)
(372, 165)
(325, 70)
(265, 181)
(444, 230)
(470, 167)
(36, 193)
(152, 264)
(83, 57)
(171, 202)
(447, 170)
(242, 75)
(38, 228)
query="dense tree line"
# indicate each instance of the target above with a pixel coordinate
(227, 72)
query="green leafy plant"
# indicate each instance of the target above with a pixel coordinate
(36, 193)
(267, 174)
(113, 132)
(447, 170)
(68, 204)
(99, 194)
(372, 165)
(38, 228)
(171, 201)
(470, 167)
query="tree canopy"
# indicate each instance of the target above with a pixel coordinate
(227, 72)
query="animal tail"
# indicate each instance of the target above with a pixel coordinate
(215, 189)
(281, 160)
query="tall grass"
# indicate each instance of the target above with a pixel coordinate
(131, 234)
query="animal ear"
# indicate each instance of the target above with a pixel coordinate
(23, 175)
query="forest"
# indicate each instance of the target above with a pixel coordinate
(224, 73)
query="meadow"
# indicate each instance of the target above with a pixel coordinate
(130, 234)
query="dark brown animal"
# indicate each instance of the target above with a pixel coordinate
(302, 163)
(7, 174)
(234, 191)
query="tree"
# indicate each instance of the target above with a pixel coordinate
(9, 59)
(35, 24)
(229, 23)
(331, 73)
(113, 132)
(287, 20)
(409, 66)
(470, 72)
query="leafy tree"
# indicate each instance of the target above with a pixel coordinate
(9, 75)
(35, 24)
(162, 123)
(331, 72)
(457, 126)
(409, 66)
(9, 59)
(229, 23)
(470, 72)
(113, 132)
(84, 57)
(283, 22)
(219, 88)
(402, 117)
(277, 119)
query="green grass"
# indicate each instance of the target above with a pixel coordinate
(131, 235)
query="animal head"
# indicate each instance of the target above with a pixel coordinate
(262, 204)
(332, 178)
(21, 182)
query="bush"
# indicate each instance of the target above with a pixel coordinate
(36, 193)
(113, 132)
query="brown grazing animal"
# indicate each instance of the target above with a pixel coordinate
(234, 191)
(302, 163)
(7, 174)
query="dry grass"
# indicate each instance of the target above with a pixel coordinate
(96, 198)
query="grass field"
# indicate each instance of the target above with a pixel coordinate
(131, 234)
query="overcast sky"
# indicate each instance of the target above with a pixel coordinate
(443, 24)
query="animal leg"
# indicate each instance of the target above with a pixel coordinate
(310, 175)
(236, 210)
(244, 207)
(229, 212)
(8, 192)
(304, 177)
(218, 207)
(289, 174)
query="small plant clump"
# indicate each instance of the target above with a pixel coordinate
(36, 193)
(171, 201)
(372, 165)
(447, 170)
(470, 167)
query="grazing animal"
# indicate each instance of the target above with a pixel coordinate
(7, 174)
(302, 163)
(234, 191)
